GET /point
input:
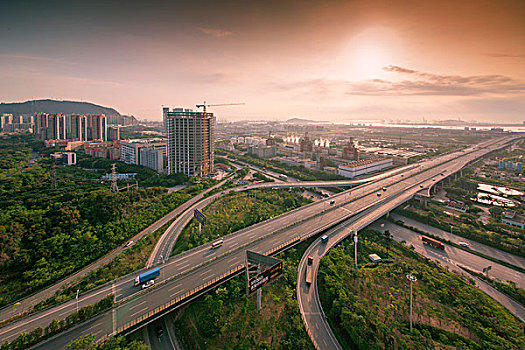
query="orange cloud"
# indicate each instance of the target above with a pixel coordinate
(218, 33)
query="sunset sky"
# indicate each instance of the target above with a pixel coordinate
(330, 60)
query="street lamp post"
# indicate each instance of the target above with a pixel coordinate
(355, 245)
(77, 299)
(411, 279)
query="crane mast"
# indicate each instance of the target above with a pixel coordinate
(204, 171)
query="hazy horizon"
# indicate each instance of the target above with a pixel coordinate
(330, 60)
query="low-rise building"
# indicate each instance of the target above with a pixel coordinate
(457, 205)
(374, 258)
(513, 219)
(130, 149)
(120, 176)
(362, 167)
(109, 150)
(64, 158)
(153, 158)
(263, 151)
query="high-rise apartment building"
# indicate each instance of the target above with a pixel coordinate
(190, 142)
(165, 111)
(70, 127)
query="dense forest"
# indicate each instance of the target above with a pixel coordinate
(15, 153)
(56, 219)
(369, 307)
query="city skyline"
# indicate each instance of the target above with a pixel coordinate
(323, 60)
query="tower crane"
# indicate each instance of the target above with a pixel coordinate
(204, 171)
(204, 105)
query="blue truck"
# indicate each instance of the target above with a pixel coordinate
(147, 276)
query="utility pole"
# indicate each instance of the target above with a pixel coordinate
(411, 279)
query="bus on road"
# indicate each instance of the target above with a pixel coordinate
(433, 242)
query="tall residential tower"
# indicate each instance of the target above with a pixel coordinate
(190, 141)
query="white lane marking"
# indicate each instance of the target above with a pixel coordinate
(185, 265)
(174, 287)
(204, 273)
(140, 311)
(134, 306)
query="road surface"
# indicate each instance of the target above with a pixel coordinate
(473, 245)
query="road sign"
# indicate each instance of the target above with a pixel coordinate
(200, 217)
(271, 269)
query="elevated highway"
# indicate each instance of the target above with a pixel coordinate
(192, 273)
(166, 242)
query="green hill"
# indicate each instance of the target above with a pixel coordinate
(55, 106)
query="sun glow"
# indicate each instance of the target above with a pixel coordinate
(366, 53)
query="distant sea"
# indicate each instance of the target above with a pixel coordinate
(437, 126)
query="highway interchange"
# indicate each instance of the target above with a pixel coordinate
(123, 287)
(307, 295)
(200, 266)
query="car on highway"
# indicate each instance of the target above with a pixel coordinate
(148, 284)
(421, 186)
(384, 189)
(464, 244)
(128, 244)
(332, 202)
(324, 238)
(379, 194)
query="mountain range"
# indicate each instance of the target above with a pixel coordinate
(55, 106)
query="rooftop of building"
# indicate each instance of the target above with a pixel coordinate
(512, 215)
(357, 163)
(152, 140)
